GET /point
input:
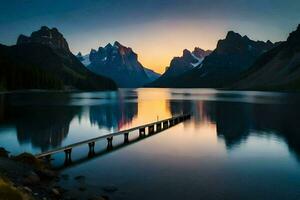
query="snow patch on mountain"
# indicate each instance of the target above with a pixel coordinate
(199, 60)
(86, 60)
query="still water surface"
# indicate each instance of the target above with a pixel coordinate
(238, 145)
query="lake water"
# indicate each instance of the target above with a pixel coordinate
(237, 145)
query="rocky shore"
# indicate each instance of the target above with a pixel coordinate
(24, 177)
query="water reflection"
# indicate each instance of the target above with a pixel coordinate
(236, 121)
(45, 126)
(113, 116)
(41, 126)
(44, 131)
(46, 121)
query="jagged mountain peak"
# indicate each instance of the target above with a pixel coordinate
(179, 65)
(294, 37)
(46, 36)
(119, 63)
(118, 44)
(79, 56)
(233, 55)
(108, 46)
(123, 49)
(186, 54)
(200, 53)
(269, 42)
(186, 51)
(49, 64)
(235, 43)
(231, 35)
(282, 64)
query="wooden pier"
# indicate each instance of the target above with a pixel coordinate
(152, 128)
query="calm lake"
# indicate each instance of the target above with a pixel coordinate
(237, 145)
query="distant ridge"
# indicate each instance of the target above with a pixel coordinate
(232, 56)
(180, 65)
(120, 63)
(43, 61)
(278, 69)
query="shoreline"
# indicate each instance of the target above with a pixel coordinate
(50, 91)
(25, 177)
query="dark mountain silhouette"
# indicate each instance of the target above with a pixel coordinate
(278, 69)
(180, 65)
(44, 61)
(152, 75)
(50, 37)
(233, 55)
(120, 63)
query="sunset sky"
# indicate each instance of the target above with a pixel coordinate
(156, 29)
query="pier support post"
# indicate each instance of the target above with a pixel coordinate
(126, 140)
(171, 122)
(109, 143)
(91, 149)
(142, 132)
(68, 158)
(158, 127)
(151, 129)
(165, 124)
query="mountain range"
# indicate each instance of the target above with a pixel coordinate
(277, 69)
(232, 56)
(43, 60)
(180, 65)
(119, 63)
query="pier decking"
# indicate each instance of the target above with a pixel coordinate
(152, 128)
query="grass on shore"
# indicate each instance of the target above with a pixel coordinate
(9, 192)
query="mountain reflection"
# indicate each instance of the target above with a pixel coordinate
(42, 127)
(46, 127)
(236, 121)
(113, 116)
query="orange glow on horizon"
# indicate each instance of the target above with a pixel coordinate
(160, 44)
(157, 43)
